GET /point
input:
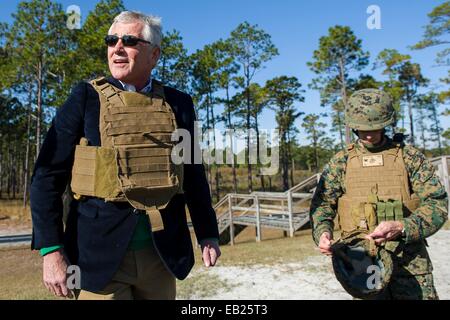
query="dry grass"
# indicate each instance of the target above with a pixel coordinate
(14, 210)
(14, 218)
(21, 275)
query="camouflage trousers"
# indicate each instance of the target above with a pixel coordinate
(419, 287)
(410, 287)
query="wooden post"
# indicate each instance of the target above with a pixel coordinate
(291, 221)
(258, 220)
(230, 210)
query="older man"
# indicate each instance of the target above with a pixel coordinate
(111, 140)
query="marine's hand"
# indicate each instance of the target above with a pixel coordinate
(325, 243)
(54, 274)
(386, 231)
(210, 252)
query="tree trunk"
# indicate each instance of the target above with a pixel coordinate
(284, 161)
(14, 165)
(39, 107)
(290, 157)
(438, 130)
(231, 127)
(316, 153)
(213, 121)
(208, 166)
(411, 125)
(261, 177)
(341, 136)
(27, 153)
(9, 169)
(249, 166)
(344, 96)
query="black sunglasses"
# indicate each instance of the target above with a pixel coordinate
(128, 41)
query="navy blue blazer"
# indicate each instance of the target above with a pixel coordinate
(97, 233)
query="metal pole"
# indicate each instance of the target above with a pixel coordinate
(258, 220)
(230, 210)
(291, 221)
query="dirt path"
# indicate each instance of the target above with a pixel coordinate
(313, 278)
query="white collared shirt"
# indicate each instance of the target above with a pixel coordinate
(130, 87)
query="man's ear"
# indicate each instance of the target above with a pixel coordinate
(156, 54)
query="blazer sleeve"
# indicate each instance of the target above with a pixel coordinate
(196, 188)
(52, 170)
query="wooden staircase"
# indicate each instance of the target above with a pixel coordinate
(288, 211)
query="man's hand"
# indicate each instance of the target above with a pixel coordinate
(386, 231)
(325, 242)
(210, 252)
(54, 274)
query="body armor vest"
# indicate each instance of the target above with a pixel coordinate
(134, 161)
(376, 189)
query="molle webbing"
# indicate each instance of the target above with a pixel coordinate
(134, 161)
(376, 189)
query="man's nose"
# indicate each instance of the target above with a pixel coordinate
(119, 46)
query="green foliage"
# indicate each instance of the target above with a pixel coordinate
(315, 134)
(428, 105)
(283, 92)
(411, 78)
(339, 53)
(252, 47)
(173, 66)
(84, 56)
(436, 34)
(436, 31)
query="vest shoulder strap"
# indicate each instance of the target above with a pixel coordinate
(98, 82)
(352, 151)
(111, 93)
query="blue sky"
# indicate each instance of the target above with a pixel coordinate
(295, 27)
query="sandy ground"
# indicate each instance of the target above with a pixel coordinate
(311, 278)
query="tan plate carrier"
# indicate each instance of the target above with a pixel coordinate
(134, 161)
(376, 189)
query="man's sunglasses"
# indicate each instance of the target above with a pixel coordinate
(128, 41)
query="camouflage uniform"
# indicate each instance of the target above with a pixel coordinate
(412, 275)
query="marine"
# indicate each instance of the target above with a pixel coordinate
(386, 190)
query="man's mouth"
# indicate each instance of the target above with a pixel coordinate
(120, 61)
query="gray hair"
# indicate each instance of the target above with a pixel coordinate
(152, 30)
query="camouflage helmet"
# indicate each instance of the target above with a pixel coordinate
(363, 269)
(369, 109)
